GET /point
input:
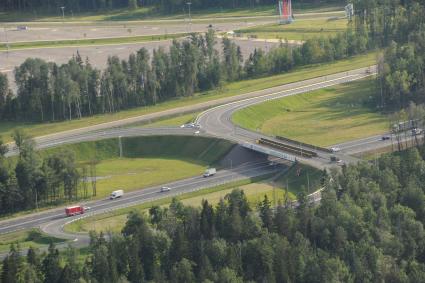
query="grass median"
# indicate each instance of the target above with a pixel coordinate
(88, 42)
(26, 238)
(324, 117)
(299, 30)
(231, 89)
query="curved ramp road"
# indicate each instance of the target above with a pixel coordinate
(217, 121)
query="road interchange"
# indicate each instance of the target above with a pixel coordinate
(215, 121)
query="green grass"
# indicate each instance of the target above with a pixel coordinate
(323, 117)
(231, 89)
(200, 150)
(88, 42)
(300, 177)
(151, 14)
(147, 161)
(175, 121)
(255, 189)
(114, 221)
(132, 174)
(298, 30)
(26, 239)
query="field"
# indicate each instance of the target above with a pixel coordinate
(299, 30)
(132, 174)
(227, 90)
(25, 238)
(323, 117)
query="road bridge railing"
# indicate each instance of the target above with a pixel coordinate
(313, 147)
(288, 148)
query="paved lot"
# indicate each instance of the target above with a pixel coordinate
(59, 31)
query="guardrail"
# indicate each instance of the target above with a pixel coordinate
(288, 148)
(304, 144)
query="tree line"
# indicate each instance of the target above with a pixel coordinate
(33, 180)
(165, 5)
(368, 227)
(50, 92)
(400, 27)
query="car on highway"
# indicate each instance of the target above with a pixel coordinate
(335, 149)
(340, 162)
(416, 131)
(385, 138)
(190, 126)
(165, 189)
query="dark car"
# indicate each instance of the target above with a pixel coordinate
(385, 138)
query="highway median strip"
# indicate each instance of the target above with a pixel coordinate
(88, 42)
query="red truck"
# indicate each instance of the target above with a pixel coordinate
(74, 210)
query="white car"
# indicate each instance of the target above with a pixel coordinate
(335, 149)
(165, 189)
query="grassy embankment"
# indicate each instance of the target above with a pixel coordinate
(302, 29)
(297, 178)
(144, 13)
(26, 239)
(88, 42)
(323, 117)
(147, 161)
(231, 89)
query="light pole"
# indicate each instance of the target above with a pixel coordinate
(63, 13)
(188, 4)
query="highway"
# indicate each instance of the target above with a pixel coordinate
(52, 221)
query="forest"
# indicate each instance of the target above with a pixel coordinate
(49, 92)
(33, 181)
(170, 6)
(368, 227)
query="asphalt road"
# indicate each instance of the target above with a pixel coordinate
(217, 121)
(51, 221)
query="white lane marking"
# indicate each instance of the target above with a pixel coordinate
(176, 185)
(280, 92)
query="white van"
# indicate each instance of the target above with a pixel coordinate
(116, 194)
(210, 172)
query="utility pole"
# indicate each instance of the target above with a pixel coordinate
(63, 13)
(120, 145)
(190, 19)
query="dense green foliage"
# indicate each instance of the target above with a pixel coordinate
(165, 5)
(368, 227)
(34, 181)
(48, 92)
(400, 25)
